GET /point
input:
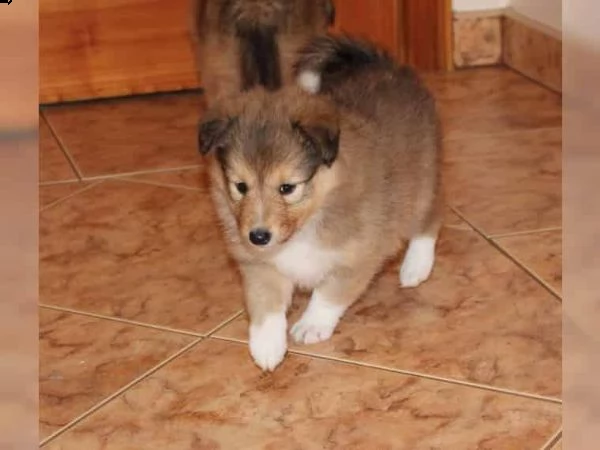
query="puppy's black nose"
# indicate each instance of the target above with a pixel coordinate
(260, 237)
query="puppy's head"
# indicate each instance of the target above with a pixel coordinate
(273, 162)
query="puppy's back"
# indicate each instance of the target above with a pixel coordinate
(361, 76)
(399, 151)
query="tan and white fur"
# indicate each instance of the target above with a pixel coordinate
(318, 190)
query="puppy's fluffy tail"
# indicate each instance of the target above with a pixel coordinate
(327, 60)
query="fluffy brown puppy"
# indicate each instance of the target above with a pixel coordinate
(248, 43)
(318, 191)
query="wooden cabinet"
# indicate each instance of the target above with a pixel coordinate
(99, 48)
(104, 48)
(377, 20)
(427, 30)
(417, 32)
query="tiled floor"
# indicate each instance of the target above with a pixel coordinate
(143, 336)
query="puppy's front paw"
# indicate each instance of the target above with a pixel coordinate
(418, 262)
(268, 341)
(318, 321)
(310, 331)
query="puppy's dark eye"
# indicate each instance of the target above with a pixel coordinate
(242, 188)
(287, 189)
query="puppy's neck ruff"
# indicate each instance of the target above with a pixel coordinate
(303, 259)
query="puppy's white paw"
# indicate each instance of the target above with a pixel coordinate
(418, 261)
(318, 321)
(268, 341)
(310, 331)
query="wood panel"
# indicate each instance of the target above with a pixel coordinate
(427, 27)
(417, 32)
(377, 20)
(104, 48)
(99, 48)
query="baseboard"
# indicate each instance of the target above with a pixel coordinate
(477, 38)
(484, 38)
(532, 49)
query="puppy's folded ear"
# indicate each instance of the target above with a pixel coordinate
(316, 121)
(213, 132)
(323, 140)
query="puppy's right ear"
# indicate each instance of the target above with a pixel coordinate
(213, 133)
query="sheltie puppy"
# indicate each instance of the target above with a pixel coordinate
(319, 189)
(247, 43)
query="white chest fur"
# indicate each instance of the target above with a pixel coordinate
(304, 260)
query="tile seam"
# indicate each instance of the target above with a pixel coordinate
(63, 147)
(506, 254)
(107, 400)
(421, 375)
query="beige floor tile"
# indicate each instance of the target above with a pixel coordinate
(148, 248)
(480, 318)
(506, 184)
(214, 398)
(84, 360)
(540, 252)
(54, 165)
(146, 253)
(130, 135)
(491, 101)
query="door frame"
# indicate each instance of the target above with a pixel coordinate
(426, 33)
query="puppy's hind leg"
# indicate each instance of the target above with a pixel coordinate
(420, 255)
(268, 296)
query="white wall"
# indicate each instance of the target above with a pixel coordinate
(478, 5)
(548, 12)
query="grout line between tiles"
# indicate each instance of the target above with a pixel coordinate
(131, 179)
(525, 233)
(71, 195)
(58, 182)
(122, 320)
(411, 373)
(498, 247)
(527, 269)
(113, 176)
(119, 392)
(225, 323)
(63, 147)
(229, 339)
(482, 387)
(551, 443)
